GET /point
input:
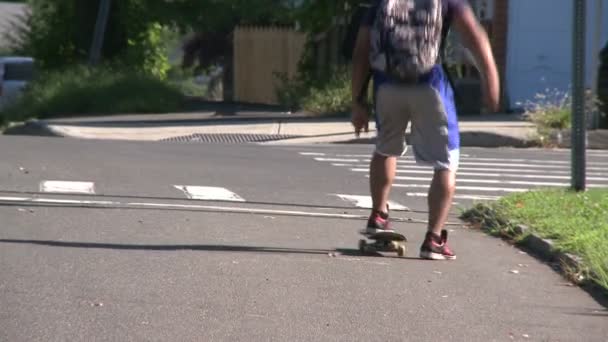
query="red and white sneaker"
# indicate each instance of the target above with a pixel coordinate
(378, 223)
(436, 247)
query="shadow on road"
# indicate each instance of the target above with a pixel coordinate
(195, 247)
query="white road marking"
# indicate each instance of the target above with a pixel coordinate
(566, 162)
(495, 181)
(128, 205)
(366, 202)
(469, 197)
(539, 166)
(311, 154)
(209, 193)
(337, 160)
(367, 155)
(67, 187)
(473, 161)
(487, 174)
(365, 168)
(55, 201)
(476, 188)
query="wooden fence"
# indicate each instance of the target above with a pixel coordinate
(260, 53)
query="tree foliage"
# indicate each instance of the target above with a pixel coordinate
(60, 31)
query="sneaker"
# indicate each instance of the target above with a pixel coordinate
(436, 247)
(378, 223)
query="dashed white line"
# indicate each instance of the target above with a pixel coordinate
(67, 187)
(128, 205)
(209, 193)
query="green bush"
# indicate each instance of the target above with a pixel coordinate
(84, 90)
(319, 96)
(334, 97)
(58, 34)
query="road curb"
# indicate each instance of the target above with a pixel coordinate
(32, 127)
(570, 266)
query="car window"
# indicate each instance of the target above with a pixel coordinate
(18, 71)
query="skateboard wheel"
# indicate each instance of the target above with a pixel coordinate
(401, 251)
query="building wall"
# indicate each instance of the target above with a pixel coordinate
(539, 46)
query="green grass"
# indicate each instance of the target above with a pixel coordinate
(576, 222)
(83, 90)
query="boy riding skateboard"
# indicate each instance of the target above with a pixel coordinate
(400, 43)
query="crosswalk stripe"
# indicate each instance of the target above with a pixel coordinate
(367, 155)
(312, 154)
(338, 160)
(510, 164)
(465, 157)
(67, 187)
(485, 174)
(476, 188)
(362, 168)
(494, 181)
(482, 178)
(209, 193)
(465, 162)
(457, 196)
(366, 202)
(567, 162)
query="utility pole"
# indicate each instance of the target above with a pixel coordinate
(100, 30)
(579, 134)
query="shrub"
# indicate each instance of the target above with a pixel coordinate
(322, 97)
(84, 90)
(552, 110)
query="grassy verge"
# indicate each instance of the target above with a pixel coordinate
(84, 90)
(576, 222)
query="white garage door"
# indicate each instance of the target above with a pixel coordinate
(539, 51)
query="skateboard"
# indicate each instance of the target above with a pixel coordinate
(383, 242)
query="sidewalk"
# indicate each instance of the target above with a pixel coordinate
(492, 130)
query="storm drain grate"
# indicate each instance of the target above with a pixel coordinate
(229, 138)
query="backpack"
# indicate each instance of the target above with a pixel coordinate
(406, 38)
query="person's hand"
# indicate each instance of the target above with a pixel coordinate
(360, 118)
(491, 94)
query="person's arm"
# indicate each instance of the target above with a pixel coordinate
(361, 67)
(476, 40)
(360, 79)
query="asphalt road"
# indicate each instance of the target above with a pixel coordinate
(270, 254)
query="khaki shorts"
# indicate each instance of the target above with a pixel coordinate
(422, 105)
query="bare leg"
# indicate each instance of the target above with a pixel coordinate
(440, 197)
(382, 174)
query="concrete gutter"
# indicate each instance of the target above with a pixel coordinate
(486, 131)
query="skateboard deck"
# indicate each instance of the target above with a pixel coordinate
(383, 242)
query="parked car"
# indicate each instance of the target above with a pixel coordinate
(15, 75)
